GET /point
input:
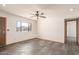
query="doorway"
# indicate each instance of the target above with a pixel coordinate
(71, 31)
(2, 31)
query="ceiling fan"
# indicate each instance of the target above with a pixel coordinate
(38, 15)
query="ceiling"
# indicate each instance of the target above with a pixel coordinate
(26, 10)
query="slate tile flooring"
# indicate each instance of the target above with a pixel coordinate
(39, 47)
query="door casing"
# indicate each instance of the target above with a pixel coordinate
(65, 29)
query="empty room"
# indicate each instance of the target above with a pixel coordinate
(39, 29)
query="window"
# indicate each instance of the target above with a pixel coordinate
(23, 26)
(18, 26)
(30, 27)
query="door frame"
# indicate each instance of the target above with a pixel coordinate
(4, 29)
(65, 29)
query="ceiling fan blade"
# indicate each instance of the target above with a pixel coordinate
(42, 16)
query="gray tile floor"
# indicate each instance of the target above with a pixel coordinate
(39, 47)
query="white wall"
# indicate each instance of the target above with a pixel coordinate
(12, 35)
(71, 29)
(52, 28)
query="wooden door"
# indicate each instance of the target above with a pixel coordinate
(2, 31)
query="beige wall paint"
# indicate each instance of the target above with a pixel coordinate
(12, 35)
